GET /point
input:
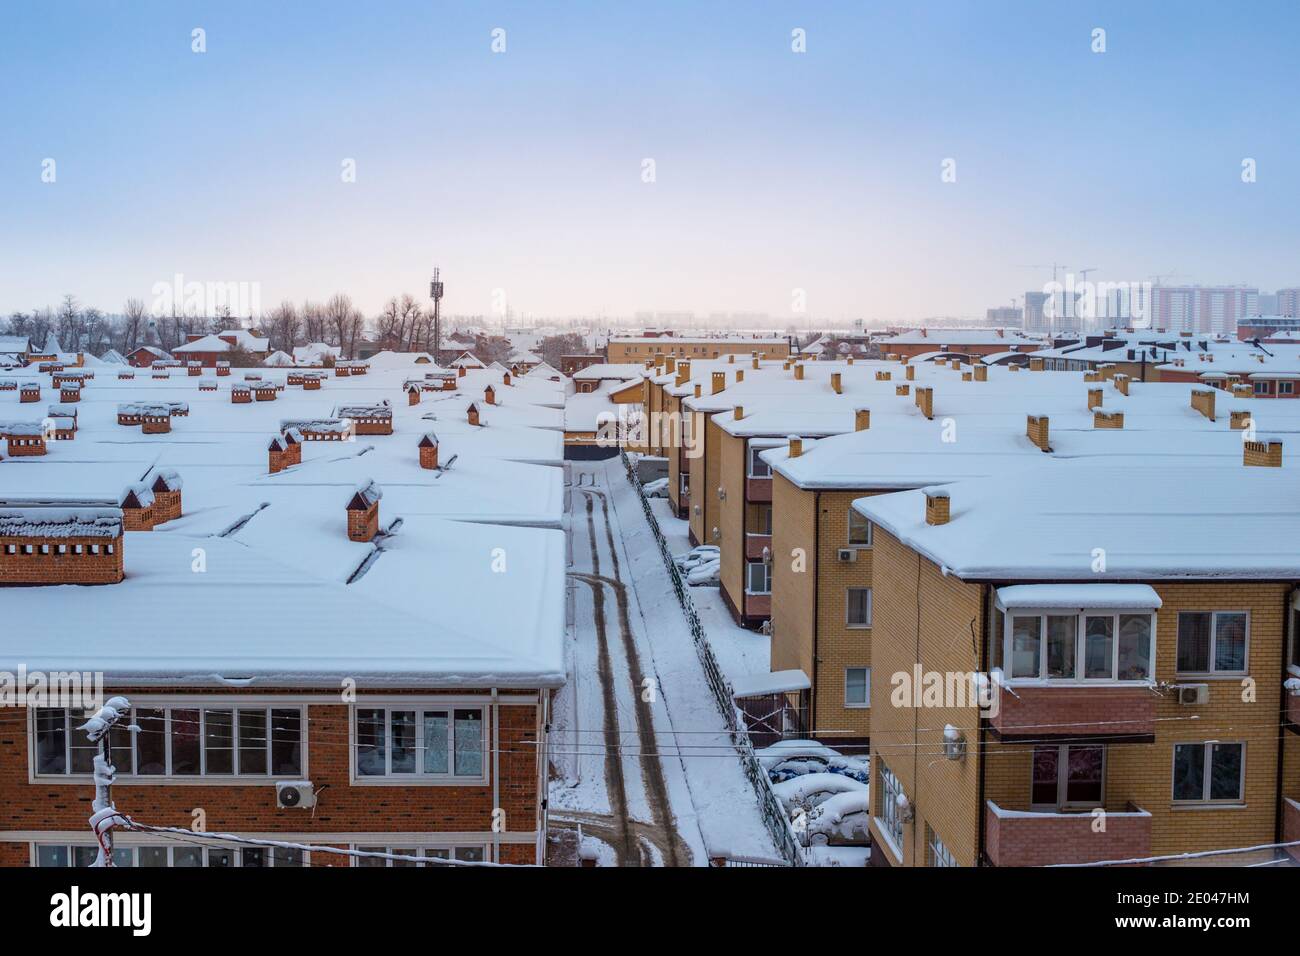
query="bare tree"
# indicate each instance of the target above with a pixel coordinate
(338, 315)
(283, 324)
(133, 324)
(388, 326)
(553, 348)
(313, 321)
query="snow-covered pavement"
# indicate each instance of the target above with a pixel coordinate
(644, 763)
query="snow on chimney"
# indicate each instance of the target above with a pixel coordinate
(937, 506)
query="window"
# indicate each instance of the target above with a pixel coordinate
(859, 607)
(1068, 776)
(1073, 647)
(891, 821)
(859, 529)
(758, 578)
(179, 741)
(857, 687)
(422, 744)
(468, 853)
(936, 854)
(1210, 772)
(1261, 388)
(1285, 388)
(758, 468)
(1212, 641)
(81, 855)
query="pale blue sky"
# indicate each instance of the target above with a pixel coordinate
(521, 171)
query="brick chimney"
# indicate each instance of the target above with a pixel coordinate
(719, 382)
(798, 370)
(739, 412)
(740, 375)
(277, 455)
(902, 389)
(861, 419)
(363, 511)
(883, 376)
(472, 414)
(1238, 419)
(1094, 398)
(1120, 382)
(1036, 364)
(413, 395)
(937, 508)
(429, 450)
(1203, 401)
(731, 358)
(925, 401)
(670, 364)
(836, 383)
(981, 372)
(1036, 427)
(1262, 454)
(910, 374)
(683, 372)
(796, 446)
(505, 378)
(460, 372)
(490, 395)
(699, 390)
(1102, 419)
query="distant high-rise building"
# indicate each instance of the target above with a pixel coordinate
(1004, 316)
(1051, 311)
(1195, 308)
(1288, 303)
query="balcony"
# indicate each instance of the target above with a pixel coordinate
(758, 489)
(1032, 838)
(1292, 708)
(758, 605)
(1074, 710)
(755, 543)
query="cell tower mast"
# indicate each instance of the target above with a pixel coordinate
(435, 293)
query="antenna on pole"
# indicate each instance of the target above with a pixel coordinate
(435, 293)
(105, 816)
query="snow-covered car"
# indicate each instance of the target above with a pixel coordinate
(697, 555)
(805, 792)
(840, 820)
(787, 759)
(705, 574)
(656, 489)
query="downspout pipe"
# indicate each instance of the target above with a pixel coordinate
(496, 775)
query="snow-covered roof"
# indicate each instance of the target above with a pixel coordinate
(217, 342)
(1050, 597)
(60, 522)
(941, 337)
(1047, 522)
(315, 352)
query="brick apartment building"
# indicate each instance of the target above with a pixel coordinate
(1135, 652)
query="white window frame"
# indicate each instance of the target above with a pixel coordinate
(412, 849)
(1207, 773)
(848, 535)
(202, 778)
(749, 565)
(1213, 671)
(1062, 783)
(936, 853)
(753, 457)
(866, 703)
(871, 604)
(1080, 646)
(134, 850)
(418, 778)
(891, 824)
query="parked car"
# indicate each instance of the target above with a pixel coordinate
(810, 790)
(840, 820)
(656, 489)
(787, 759)
(705, 574)
(705, 552)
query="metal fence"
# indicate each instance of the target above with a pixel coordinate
(770, 808)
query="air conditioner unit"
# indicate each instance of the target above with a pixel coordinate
(1193, 693)
(848, 554)
(294, 794)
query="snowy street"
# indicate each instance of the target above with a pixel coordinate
(641, 759)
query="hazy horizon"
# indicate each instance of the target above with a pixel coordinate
(780, 177)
